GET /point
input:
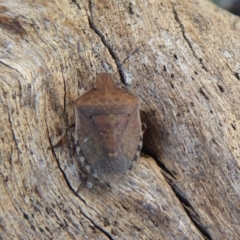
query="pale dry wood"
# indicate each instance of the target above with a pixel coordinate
(187, 74)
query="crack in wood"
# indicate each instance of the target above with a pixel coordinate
(107, 234)
(64, 90)
(186, 39)
(203, 93)
(59, 167)
(192, 214)
(75, 2)
(20, 87)
(107, 45)
(171, 174)
(14, 137)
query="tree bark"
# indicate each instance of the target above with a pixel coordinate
(187, 75)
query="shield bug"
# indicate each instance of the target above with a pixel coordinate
(108, 129)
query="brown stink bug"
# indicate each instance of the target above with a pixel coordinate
(108, 129)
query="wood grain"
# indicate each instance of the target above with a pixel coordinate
(186, 73)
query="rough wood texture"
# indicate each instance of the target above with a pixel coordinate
(187, 74)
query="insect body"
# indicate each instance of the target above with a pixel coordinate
(108, 129)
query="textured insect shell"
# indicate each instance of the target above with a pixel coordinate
(108, 128)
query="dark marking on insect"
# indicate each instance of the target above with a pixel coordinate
(108, 129)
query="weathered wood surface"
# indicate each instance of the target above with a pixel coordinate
(187, 74)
